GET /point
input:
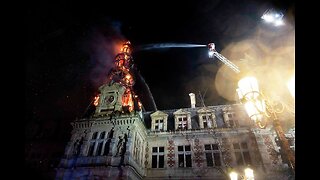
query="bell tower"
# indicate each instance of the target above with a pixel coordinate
(117, 95)
(102, 142)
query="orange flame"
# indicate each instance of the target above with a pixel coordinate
(126, 48)
(127, 100)
(96, 100)
(128, 79)
(128, 76)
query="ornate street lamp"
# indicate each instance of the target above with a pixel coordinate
(248, 175)
(233, 175)
(250, 96)
(259, 106)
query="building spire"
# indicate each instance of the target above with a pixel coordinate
(118, 94)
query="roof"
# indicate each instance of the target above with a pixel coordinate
(217, 110)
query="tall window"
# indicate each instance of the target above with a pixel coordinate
(213, 154)
(99, 149)
(233, 122)
(184, 156)
(95, 135)
(207, 121)
(159, 125)
(183, 123)
(96, 144)
(157, 157)
(92, 144)
(102, 135)
(107, 147)
(91, 149)
(242, 153)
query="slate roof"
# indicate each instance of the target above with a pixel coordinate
(194, 116)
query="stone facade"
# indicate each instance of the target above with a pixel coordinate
(186, 143)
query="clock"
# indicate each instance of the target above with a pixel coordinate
(109, 99)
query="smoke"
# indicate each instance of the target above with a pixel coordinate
(167, 45)
(267, 54)
(102, 46)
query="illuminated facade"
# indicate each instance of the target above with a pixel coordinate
(121, 141)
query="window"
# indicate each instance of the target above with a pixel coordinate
(102, 135)
(157, 157)
(184, 156)
(159, 126)
(207, 121)
(213, 154)
(107, 147)
(242, 153)
(99, 150)
(110, 134)
(94, 135)
(96, 144)
(232, 121)
(91, 149)
(182, 123)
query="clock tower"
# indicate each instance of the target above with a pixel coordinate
(117, 95)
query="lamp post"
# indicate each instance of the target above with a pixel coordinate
(257, 106)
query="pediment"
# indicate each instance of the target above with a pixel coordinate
(181, 111)
(205, 110)
(158, 113)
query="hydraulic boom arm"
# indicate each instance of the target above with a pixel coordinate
(213, 52)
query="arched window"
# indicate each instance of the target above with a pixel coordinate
(102, 135)
(91, 149)
(94, 136)
(99, 149)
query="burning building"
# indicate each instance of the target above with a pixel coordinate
(120, 140)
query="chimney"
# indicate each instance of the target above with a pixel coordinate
(193, 100)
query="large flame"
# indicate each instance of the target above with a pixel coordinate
(121, 74)
(127, 100)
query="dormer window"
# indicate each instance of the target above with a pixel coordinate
(207, 118)
(230, 119)
(159, 121)
(207, 121)
(159, 125)
(182, 120)
(183, 123)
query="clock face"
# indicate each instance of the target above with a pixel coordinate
(109, 99)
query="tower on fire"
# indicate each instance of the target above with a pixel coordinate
(120, 140)
(117, 95)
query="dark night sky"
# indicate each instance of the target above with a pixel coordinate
(69, 50)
